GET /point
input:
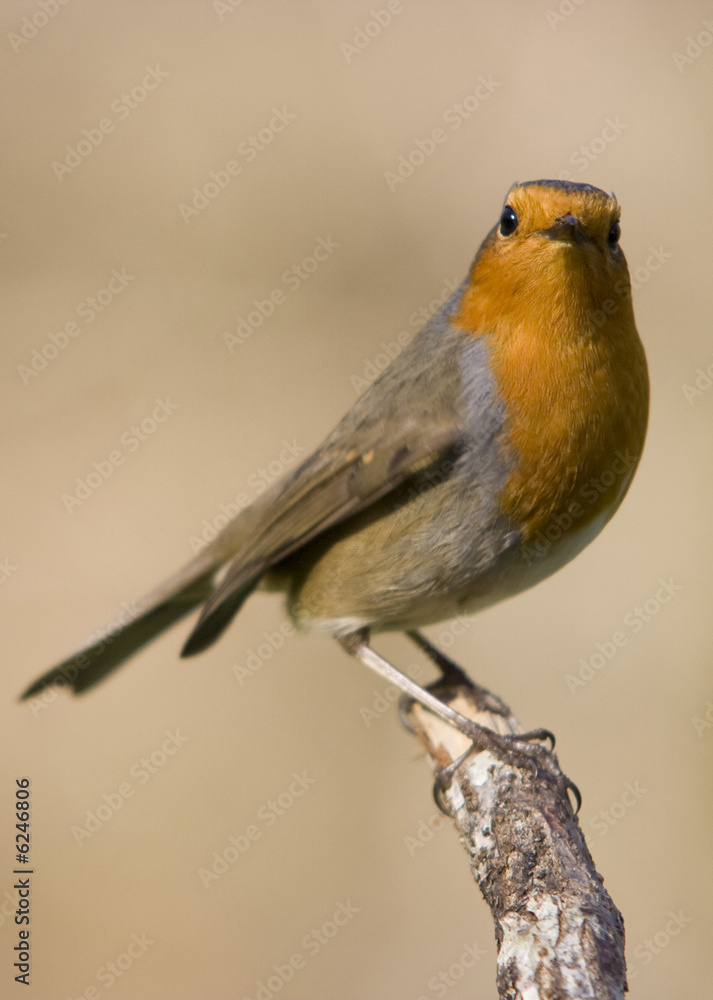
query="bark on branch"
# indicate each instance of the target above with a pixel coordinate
(558, 933)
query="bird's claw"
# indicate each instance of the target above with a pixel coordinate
(566, 785)
(539, 734)
(404, 709)
(517, 750)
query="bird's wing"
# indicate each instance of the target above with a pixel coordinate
(355, 467)
(405, 422)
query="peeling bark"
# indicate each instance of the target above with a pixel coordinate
(558, 933)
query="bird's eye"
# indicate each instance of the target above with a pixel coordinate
(614, 234)
(508, 221)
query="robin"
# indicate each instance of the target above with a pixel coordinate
(492, 450)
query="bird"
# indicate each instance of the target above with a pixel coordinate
(490, 452)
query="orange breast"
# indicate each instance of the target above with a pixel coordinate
(576, 388)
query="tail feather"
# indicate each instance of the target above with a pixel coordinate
(110, 646)
(201, 639)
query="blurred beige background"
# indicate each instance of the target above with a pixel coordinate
(151, 98)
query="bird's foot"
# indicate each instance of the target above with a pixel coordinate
(519, 750)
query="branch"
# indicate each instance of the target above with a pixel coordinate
(558, 933)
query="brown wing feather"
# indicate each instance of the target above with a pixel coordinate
(347, 482)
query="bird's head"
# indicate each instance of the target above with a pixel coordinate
(553, 253)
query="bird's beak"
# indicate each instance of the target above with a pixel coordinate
(567, 228)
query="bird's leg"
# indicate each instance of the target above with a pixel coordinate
(453, 676)
(504, 747)
(515, 749)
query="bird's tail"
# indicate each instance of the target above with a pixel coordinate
(108, 647)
